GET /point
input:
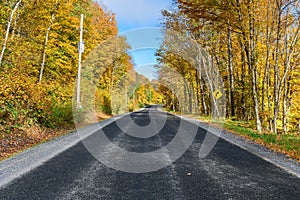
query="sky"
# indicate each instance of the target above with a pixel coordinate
(133, 14)
(139, 21)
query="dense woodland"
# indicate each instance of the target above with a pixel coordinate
(256, 47)
(39, 64)
(253, 46)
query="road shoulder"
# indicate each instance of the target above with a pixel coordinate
(281, 160)
(30, 159)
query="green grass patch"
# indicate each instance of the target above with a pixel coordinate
(283, 143)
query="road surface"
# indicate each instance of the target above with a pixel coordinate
(228, 172)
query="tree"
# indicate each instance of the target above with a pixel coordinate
(261, 41)
(53, 15)
(8, 29)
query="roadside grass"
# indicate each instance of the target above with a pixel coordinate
(288, 144)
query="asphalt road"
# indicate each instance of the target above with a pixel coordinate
(228, 172)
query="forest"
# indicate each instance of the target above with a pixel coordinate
(255, 46)
(239, 58)
(230, 59)
(39, 64)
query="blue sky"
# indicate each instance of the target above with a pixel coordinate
(133, 14)
(135, 19)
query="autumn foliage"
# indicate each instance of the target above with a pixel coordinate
(255, 46)
(36, 34)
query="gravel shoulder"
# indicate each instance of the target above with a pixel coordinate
(280, 160)
(30, 159)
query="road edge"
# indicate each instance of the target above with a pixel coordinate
(16, 166)
(278, 159)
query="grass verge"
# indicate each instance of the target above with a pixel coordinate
(288, 144)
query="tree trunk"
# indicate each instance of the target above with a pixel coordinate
(201, 91)
(190, 91)
(252, 66)
(285, 108)
(242, 41)
(243, 77)
(185, 96)
(276, 71)
(44, 54)
(231, 78)
(299, 126)
(8, 28)
(205, 111)
(266, 75)
(198, 104)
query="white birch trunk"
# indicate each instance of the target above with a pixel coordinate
(44, 54)
(45, 48)
(7, 29)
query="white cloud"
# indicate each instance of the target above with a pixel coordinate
(146, 12)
